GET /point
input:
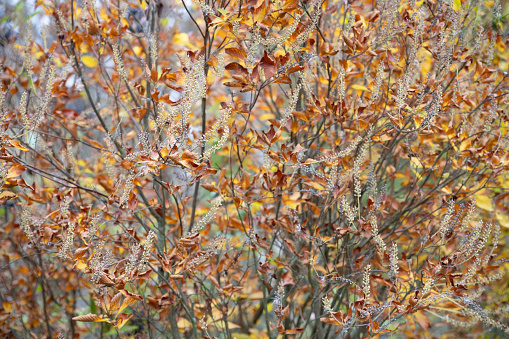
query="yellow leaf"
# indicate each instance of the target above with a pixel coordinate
(182, 39)
(7, 195)
(7, 306)
(183, 323)
(89, 61)
(126, 303)
(137, 50)
(360, 88)
(484, 202)
(315, 185)
(122, 320)
(81, 265)
(503, 220)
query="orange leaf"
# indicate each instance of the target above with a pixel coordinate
(18, 145)
(330, 321)
(126, 164)
(115, 302)
(80, 252)
(209, 187)
(164, 152)
(7, 306)
(15, 171)
(283, 80)
(237, 53)
(6, 195)
(128, 301)
(123, 319)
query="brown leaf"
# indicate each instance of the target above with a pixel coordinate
(283, 80)
(330, 321)
(237, 53)
(105, 280)
(290, 4)
(80, 252)
(233, 84)
(347, 41)
(115, 302)
(209, 187)
(126, 164)
(89, 318)
(188, 155)
(422, 320)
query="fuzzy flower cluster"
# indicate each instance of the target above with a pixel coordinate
(348, 210)
(119, 63)
(3, 174)
(403, 86)
(210, 249)
(133, 261)
(475, 311)
(436, 105)
(145, 144)
(315, 16)
(220, 65)
(275, 41)
(222, 123)
(100, 261)
(71, 159)
(334, 158)
(23, 105)
(444, 225)
(339, 278)
(64, 209)
(359, 160)
(468, 217)
(278, 300)
(207, 10)
(394, 266)
(378, 83)
(366, 288)
(93, 226)
(327, 305)
(129, 185)
(376, 235)
(195, 88)
(251, 56)
(67, 241)
(46, 100)
(211, 214)
(2, 102)
(26, 221)
(292, 104)
(341, 88)
(149, 243)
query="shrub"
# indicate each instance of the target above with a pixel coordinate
(237, 169)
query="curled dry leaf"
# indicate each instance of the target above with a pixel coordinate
(90, 318)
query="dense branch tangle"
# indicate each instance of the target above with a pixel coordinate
(266, 168)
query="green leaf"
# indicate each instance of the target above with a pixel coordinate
(19, 6)
(31, 16)
(93, 307)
